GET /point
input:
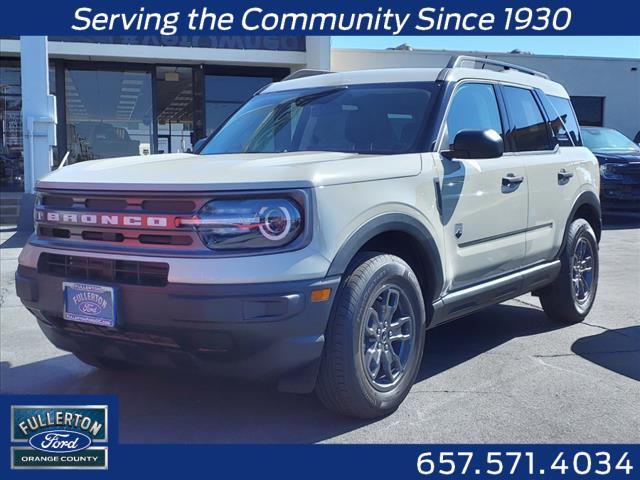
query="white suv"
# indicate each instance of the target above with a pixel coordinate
(322, 230)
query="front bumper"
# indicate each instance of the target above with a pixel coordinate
(620, 197)
(267, 331)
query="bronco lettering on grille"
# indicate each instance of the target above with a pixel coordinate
(106, 219)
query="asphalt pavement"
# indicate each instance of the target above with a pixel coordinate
(505, 375)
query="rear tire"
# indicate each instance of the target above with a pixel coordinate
(103, 363)
(374, 340)
(570, 297)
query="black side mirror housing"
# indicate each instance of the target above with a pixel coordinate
(199, 144)
(476, 144)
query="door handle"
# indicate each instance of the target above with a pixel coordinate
(511, 180)
(564, 176)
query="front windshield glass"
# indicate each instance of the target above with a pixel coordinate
(370, 118)
(607, 140)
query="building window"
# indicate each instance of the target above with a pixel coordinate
(589, 110)
(11, 151)
(174, 102)
(224, 94)
(109, 113)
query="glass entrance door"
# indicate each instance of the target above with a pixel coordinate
(174, 104)
(11, 159)
(108, 113)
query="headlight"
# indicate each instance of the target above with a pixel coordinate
(607, 171)
(247, 224)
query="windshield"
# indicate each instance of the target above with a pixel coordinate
(380, 118)
(607, 140)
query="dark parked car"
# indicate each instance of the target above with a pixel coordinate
(619, 160)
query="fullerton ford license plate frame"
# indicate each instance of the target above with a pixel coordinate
(89, 303)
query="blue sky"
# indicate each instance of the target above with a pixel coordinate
(626, 47)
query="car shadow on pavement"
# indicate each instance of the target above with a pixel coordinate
(177, 406)
(17, 240)
(189, 407)
(616, 350)
(456, 342)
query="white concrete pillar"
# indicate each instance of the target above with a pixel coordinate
(319, 52)
(38, 110)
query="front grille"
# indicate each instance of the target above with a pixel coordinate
(631, 170)
(110, 234)
(107, 204)
(153, 274)
(59, 202)
(168, 206)
(53, 232)
(117, 237)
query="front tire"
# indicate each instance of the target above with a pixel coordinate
(570, 297)
(375, 338)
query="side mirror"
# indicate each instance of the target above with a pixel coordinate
(476, 144)
(199, 144)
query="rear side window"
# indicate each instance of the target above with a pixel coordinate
(562, 120)
(529, 131)
(474, 107)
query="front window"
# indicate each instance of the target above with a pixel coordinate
(384, 119)
(607, 140)
(474, 107)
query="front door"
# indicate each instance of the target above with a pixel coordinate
(484, 202)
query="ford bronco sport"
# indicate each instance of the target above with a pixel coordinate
(322, 230)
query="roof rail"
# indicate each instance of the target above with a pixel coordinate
(458, 60)
(305, 72)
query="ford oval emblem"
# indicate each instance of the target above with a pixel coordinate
(90, 308)
(60, 441)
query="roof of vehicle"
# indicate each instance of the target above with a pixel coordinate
(392, 75)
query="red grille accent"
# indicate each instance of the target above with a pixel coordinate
(127, 223)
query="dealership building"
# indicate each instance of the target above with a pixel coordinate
(128, 95)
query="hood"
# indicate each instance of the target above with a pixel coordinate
(617, 157)
(180, 172)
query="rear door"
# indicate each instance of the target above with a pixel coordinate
(549, 173)
(484, 202)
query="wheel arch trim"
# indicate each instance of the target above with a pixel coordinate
(590, 199)
(392, 222)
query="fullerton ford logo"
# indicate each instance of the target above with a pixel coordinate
(60, 441)
(59, 436)
(89, 302)
(90, 308)
(106, 219)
